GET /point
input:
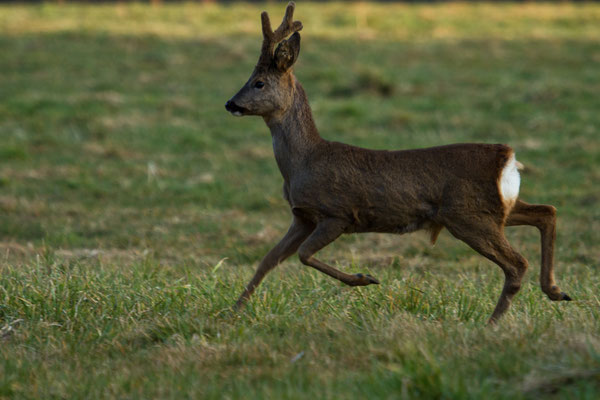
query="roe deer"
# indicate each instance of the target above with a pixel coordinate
(334, 188)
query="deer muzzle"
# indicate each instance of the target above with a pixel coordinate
(234, 108)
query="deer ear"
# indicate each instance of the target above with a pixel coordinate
(287, 52)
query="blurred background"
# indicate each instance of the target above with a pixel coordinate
(115, 139)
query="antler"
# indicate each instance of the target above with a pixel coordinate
(270, 38)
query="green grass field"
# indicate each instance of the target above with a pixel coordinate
(133, 208)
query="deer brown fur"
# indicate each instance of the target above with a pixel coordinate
(334, 188)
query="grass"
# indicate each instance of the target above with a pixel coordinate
(133, 209)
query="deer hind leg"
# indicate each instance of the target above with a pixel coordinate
(326, 232)
(487, 238)
(298, 232)
(544, 218)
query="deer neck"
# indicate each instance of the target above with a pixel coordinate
(295, 135)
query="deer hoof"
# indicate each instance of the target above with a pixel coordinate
(365, 280)
(555, 294)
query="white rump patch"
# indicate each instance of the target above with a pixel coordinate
(510, 180)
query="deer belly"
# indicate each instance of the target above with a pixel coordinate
(386, 221)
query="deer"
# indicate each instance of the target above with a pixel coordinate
(332, 188)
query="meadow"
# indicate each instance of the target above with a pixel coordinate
(133, 208)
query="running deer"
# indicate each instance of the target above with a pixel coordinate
(334, 188)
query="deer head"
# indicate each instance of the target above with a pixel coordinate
(269, 90)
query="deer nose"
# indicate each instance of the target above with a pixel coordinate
(234, 108)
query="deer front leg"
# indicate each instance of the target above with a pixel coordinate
(326, 232)
(298, 232)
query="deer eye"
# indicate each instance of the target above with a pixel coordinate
(259, 85)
